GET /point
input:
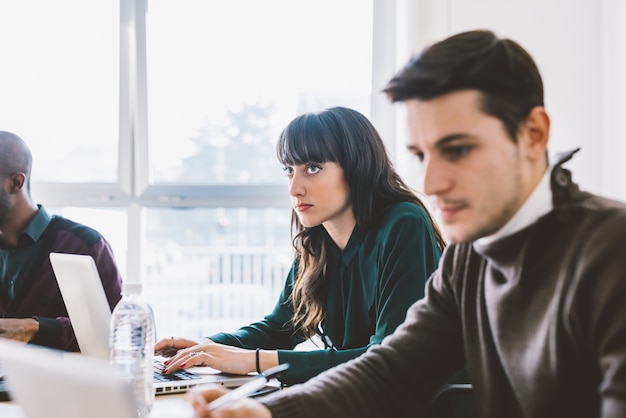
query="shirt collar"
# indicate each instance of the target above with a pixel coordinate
(538, 204)
(351, 248)
(38, 224)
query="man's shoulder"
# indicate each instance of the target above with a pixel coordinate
(459, 256)
(567, 196)
(590, 212)
(61, 225)
(604, 205)
(601, 229)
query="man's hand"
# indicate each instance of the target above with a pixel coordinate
(244, 408)
(19, 329)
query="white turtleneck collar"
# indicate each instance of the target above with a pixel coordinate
(538, 204)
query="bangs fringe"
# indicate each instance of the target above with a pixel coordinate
(306, 140)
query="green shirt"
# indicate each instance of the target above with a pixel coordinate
(373, 282)
(15, 263)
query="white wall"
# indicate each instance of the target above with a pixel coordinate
(613, 75)
(580, 49)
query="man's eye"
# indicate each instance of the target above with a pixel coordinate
(457, 151)
(416, 153)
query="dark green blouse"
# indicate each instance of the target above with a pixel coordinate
(373, 281)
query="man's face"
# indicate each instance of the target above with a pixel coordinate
(475, 174)
(5, 203)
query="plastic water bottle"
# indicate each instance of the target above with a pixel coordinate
(131, 343)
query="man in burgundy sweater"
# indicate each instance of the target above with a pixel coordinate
(31, 305)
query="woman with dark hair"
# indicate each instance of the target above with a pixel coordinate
(364, 247)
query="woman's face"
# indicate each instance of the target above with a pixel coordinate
(320, 194)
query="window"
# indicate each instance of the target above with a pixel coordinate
(59, 82)
(155, 122)
(225, 77)
(222, 80)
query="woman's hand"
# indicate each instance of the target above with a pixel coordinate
(218, 356)
(168, 347)
(246, 407)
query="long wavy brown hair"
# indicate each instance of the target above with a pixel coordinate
(346, 137)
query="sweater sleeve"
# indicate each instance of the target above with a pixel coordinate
(274, 331)
(597, 312)
(107, 270)
(57, 331)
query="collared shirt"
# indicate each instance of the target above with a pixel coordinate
(16, 263)
(28, 287)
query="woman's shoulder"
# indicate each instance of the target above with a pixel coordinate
(401, 218)
(403, 210)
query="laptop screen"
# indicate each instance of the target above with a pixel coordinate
(46, 382)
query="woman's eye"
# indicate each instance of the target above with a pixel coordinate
(313, 168)
(288, 171)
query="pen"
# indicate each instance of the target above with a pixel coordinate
(248, 388)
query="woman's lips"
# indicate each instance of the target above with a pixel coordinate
(302, 207)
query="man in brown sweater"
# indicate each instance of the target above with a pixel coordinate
(529, 296)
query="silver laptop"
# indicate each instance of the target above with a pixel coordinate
(47, 383)
(89, 312)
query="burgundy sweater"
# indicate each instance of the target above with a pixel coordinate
(39, 296)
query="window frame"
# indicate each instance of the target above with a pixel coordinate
(133, 190)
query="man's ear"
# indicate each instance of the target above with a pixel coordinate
(536, 133)
(17, 182)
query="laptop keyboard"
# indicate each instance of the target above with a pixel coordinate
(4, 391)
(178, 375)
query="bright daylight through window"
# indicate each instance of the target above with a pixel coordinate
(154, 121)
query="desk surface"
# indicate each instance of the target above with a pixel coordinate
(165, 406)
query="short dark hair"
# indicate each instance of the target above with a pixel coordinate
(500, 69)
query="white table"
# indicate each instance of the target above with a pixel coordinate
(165, 406)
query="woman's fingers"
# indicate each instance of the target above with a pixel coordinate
(225, 358)
(186, 359)
(167, 347)
(194, 355)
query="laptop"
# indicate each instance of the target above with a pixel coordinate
(4, 390)
(50, 383)
(88, 309)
